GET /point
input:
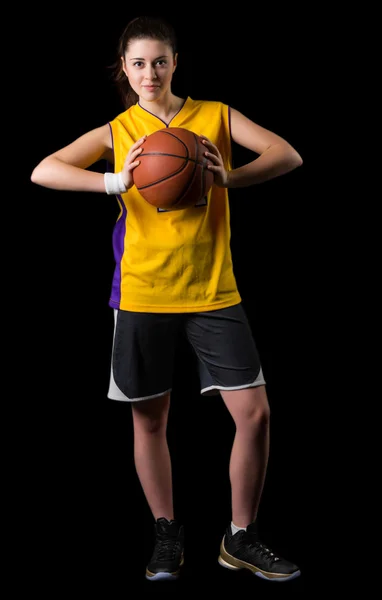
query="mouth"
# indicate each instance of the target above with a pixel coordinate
(150, 87)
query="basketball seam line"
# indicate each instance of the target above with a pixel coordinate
(170, 154)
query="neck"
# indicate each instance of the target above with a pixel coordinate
(165, 108)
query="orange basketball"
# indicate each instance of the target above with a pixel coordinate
(173, 173)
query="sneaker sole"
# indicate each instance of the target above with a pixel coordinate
(230, 562)
(163, 576)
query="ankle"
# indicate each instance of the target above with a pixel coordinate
(236, 528)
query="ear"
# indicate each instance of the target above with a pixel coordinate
(175, 62)
(123, 65)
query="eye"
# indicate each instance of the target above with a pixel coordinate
(138, 63)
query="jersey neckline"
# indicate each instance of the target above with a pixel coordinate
(151, 115)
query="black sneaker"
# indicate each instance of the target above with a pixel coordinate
(167, 557)
(244, 550)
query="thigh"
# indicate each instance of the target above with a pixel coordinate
(143, 353)
(226, 349)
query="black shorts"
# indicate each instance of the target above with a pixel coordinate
(145, 345)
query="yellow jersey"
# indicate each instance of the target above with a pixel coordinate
(173, 261)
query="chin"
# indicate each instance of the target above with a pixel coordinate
(150, 96)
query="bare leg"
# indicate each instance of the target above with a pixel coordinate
(151, 454)
(249, 409)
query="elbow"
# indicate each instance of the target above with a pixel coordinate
(289, 158)
(34, 176)
(295, 160)
(37, 175)
(299, 160)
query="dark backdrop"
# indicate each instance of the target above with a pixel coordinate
(86, 504)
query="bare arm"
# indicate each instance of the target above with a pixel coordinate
(276, 155)
(66, 169)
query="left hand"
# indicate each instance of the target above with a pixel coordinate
(218, 169)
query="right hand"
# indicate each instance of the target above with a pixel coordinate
(131, 162)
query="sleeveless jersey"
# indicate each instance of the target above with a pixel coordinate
(173, 261)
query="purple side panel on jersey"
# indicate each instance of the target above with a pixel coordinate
(118, 248)
(118, 242)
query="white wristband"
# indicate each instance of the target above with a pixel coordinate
(114, 183)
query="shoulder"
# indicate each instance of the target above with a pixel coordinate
(124, 116)
(209, 104)
(209, 109)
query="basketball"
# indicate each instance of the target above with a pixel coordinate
(173, 173)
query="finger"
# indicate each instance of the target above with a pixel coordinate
(132, 155)
(139, 142)
(212, 156)
(132, 165)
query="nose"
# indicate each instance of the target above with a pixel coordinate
(150, 73)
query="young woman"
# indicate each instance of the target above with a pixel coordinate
(174, 272)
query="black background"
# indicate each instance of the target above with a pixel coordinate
(84, 502)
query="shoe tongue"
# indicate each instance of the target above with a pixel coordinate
(168, 527)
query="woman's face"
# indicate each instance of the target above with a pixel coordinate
(149, 65)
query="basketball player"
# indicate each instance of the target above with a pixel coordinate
(173, 272)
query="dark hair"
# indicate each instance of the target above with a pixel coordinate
(155, 28)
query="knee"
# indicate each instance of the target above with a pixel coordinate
(150, 418)
(259, 416)
(149, 426)
(256, 416)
